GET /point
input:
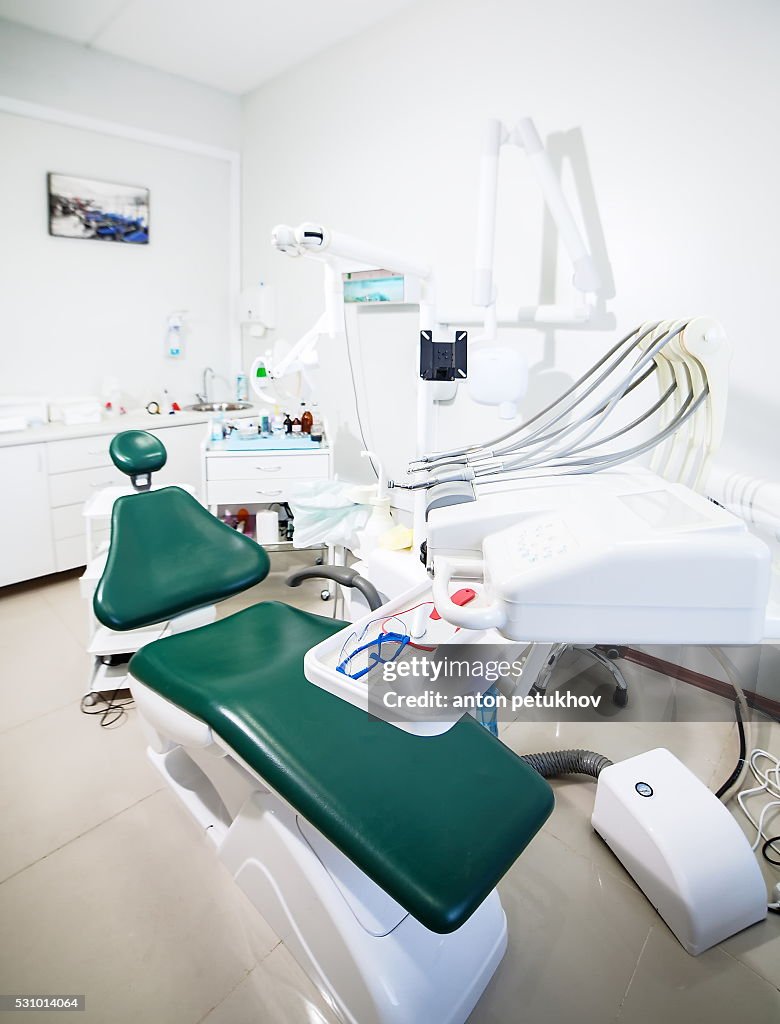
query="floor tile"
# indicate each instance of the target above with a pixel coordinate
(711, 987)
(575, 934)
(137, 914)
(276, 992)
(60, 775)
(64, 598)
(42, 664)
(697, 744)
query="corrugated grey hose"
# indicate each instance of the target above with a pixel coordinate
(567, 762)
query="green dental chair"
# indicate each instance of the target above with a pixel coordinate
(372, 852)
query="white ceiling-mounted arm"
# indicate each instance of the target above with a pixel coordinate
(484, 291)
(586, 278)
(318, 242)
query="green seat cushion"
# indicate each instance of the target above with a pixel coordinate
(169, 555)
(434, 821)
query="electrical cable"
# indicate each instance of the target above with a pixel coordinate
(582, 466)
(113, 711)
(740, 765)
(609, 403)
(560, 406)
(769, 845)
(741, 713)
(552, 449)
(769, 783)
(503, 437)
(357, 403)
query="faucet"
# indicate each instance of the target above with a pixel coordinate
(204, 395)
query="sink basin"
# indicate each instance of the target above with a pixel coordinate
(218, 406)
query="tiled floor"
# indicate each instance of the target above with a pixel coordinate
(108, 888)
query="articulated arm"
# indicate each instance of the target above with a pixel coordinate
(340, 574)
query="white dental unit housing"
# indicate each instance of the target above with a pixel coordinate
(622, 556)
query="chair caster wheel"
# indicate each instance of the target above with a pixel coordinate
(325, 595)
(620, 697)
(319, 561)
(89, 700)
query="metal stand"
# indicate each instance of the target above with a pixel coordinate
(552, 654)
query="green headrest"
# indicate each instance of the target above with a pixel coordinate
(137, 452)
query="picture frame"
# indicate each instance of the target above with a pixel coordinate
(87, 208)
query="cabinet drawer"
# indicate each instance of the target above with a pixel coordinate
(76, 487)
(285, 466)
(69, 552)
(244, 492)
(68, 521)
(78, 453)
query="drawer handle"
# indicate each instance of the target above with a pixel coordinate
(269, 469)
(96, 451)
(104, 483)
(269, 493)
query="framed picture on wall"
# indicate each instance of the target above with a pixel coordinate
(82, 208)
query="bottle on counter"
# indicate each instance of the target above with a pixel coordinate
(296, 426)
(217, 427)
(288, 424)
(306, 419)
(277, 423)
(317, 426)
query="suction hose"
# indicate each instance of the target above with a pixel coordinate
(567, 762)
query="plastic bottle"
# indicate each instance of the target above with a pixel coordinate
(242, 387)
(216, 430)
(277, 423)
(317, 426)
(306, 419)
(288, 424)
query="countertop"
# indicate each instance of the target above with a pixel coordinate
(139, 420)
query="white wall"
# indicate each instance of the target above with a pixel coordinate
(74, 312)
(45, 69)
(677, 103)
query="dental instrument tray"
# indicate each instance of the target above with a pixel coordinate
(258, 442)
(350, 663)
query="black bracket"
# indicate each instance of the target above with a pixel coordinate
(443, 360)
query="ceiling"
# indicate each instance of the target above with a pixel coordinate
(233, 45)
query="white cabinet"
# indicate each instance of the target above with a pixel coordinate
(258, 477)
(46, 484)
(26, 541)
(184, 455)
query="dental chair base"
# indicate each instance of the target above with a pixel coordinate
(371, 960)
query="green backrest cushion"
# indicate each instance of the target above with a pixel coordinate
(169, 555)
(137, 452)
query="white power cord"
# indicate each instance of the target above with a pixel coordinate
(769, 783)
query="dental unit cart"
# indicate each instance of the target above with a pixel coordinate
(258, 471)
